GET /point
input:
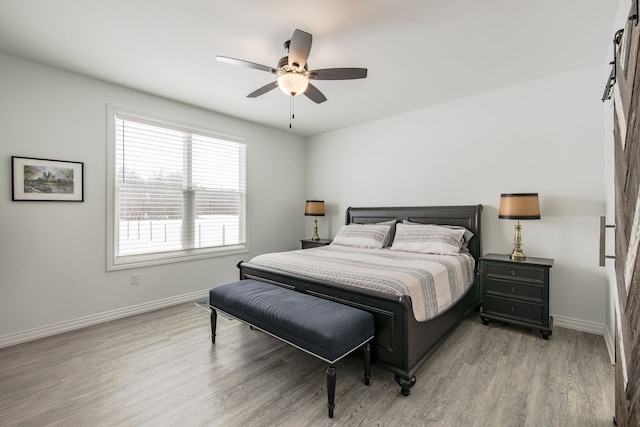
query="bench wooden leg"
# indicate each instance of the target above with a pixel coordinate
(367, 364)
(331, 389)
(213, 325)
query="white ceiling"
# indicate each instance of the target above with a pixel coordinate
(418, 52)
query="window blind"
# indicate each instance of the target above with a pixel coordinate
(177, 191)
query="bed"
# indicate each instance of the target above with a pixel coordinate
(402, 343)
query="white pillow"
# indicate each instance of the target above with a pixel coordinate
(372, 236)
(428, 239)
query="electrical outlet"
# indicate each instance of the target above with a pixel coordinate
(135, 279)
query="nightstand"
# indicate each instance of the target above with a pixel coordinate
(309, 243)
(516, 292)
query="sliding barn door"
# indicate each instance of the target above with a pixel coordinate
(626, 95)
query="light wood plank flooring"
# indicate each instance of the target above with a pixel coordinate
(160, 369)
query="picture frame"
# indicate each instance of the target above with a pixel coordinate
(35, 179)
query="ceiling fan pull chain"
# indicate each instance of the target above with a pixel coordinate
(291, 111)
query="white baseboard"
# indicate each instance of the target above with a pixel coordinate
(70, 325)
(611, 345)
(578, 324)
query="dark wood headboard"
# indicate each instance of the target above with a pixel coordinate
(465, 216)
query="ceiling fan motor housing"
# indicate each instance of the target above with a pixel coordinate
(283, 65)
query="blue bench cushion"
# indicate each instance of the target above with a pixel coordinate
(326, 329)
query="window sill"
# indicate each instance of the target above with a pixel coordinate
(147, 260)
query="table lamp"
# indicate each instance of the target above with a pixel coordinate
(519, 206)
(314, 208)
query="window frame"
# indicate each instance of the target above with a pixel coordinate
(161, 258)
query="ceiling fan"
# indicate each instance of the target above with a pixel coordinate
(293, 71)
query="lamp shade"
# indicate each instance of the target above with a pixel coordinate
(293, 83)
(519, 206)
(314, 208)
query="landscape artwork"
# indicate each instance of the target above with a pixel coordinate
(47, 180)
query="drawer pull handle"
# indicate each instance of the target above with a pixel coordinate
(513, 273)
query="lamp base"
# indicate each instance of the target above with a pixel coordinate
(315, 229)
(517, 254)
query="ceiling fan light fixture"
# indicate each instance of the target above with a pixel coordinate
(293, 84)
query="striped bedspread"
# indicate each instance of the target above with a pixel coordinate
(434, 282)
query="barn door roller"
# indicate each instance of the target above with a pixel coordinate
(608, 88)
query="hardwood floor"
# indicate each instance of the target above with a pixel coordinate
(160, 369)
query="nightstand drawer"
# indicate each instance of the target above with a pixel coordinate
(517, 310)
(515, 272)
(516, 290)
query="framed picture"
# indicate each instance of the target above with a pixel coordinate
(46, 180)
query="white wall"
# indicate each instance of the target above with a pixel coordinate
(544, 136)
(53, 254)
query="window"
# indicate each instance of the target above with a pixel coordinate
(175, 193)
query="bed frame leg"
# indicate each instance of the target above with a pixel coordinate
(405, 384)
(367, 364)
(213, 325)
(331, 389)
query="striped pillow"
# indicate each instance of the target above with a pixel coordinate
(372, 236)
(466, 237)
(429, 239)
(392, 230)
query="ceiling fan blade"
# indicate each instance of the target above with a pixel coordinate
(314, 94)
(244, 63)
(338, 74)
(299, 48)
(264, 89)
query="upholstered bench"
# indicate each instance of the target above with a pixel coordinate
(325, 329)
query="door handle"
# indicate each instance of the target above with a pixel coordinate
(603, 227)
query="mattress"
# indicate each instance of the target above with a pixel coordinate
(433, 282)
